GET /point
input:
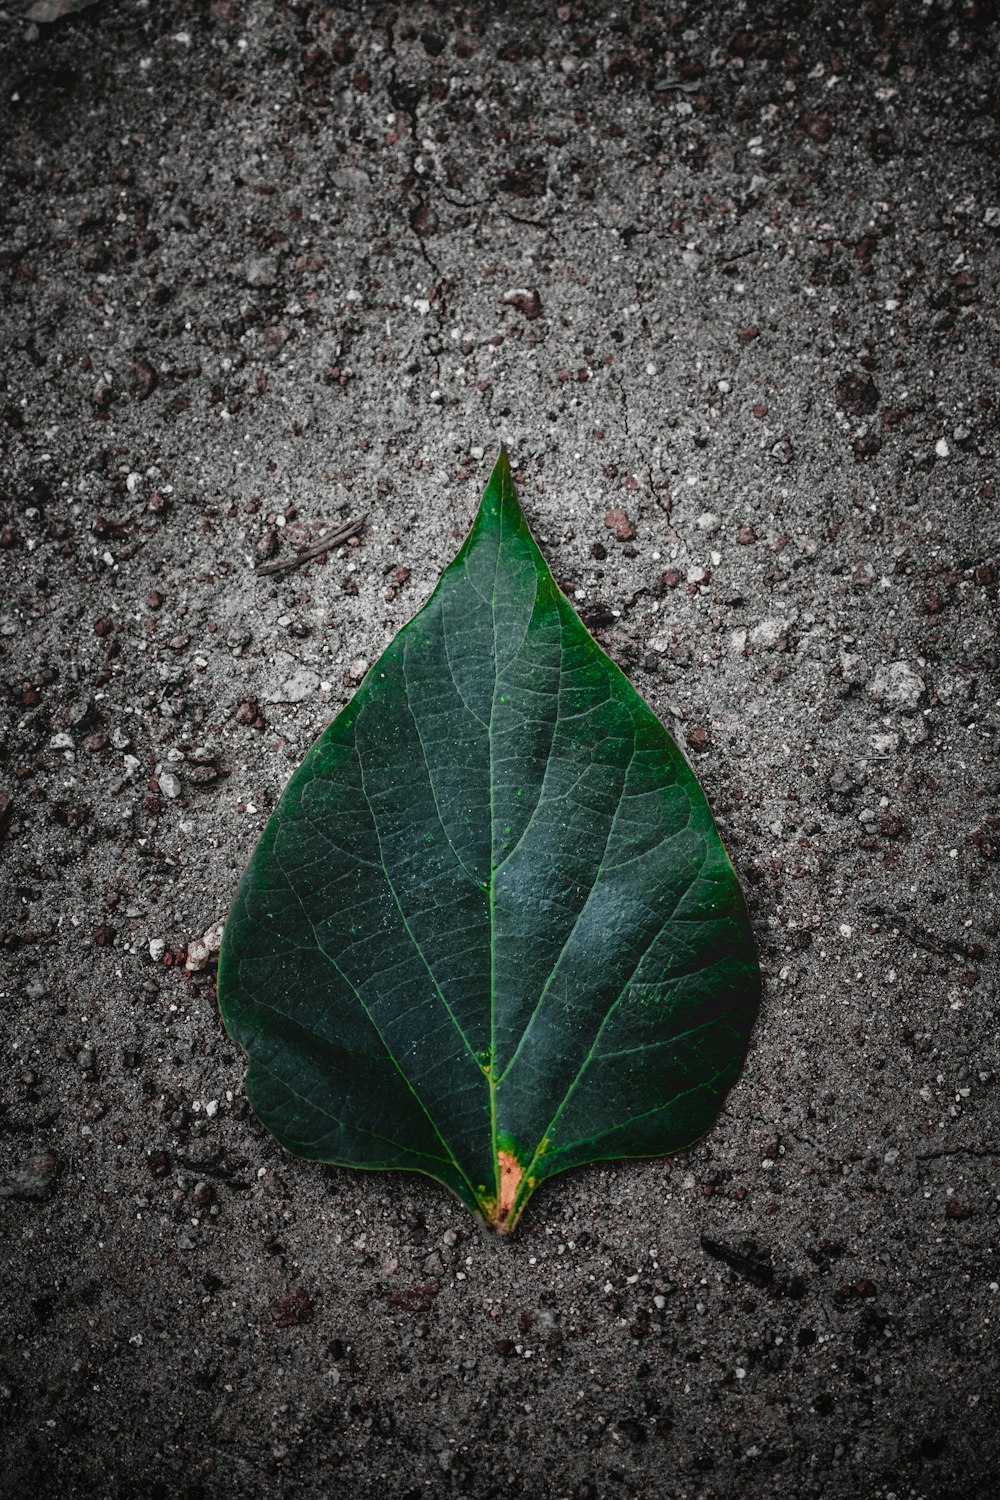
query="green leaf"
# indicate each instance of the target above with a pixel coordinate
(491, 931)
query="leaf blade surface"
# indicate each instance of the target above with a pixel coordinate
(491, 932)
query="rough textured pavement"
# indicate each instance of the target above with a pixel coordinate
(726, 283)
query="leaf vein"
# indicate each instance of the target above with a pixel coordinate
(399, 905)
(430, 779)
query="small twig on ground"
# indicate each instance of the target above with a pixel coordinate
(342, 534)
(931, 943)
(759, 1273)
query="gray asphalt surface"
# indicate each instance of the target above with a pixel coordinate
(725, 281)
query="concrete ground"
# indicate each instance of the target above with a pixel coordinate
(725, 280)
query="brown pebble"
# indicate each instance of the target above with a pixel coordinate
(294, 1309)
(857, 394)
(142, 380)
(618, 522)
(817, 127)
(528, 304)
(423, 221)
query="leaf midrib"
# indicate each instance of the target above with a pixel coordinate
(491, 1078)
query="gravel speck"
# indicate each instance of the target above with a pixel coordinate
(169, 784)
(770, 635)
(34, 1180)
(302, 684)
(897, 686)
(261, 271)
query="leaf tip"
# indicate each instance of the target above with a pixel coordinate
(499, 506)
(502, 477)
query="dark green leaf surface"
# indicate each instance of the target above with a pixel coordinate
(490, 931)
